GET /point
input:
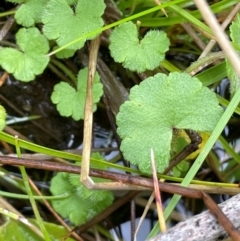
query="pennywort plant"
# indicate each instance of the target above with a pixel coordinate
(135, 54)
(30, 58)
(157, 106)
(91, 202)
(70, 101)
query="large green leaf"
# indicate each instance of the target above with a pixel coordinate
(157, 106)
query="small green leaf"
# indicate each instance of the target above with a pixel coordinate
(231, 73)
(65, 53)
(70, 102)
(91, 202)
(29, 12)
(181, 169)
(31, 59)
(138, 55)
(157, 106)
(2, 118)
(84, 17)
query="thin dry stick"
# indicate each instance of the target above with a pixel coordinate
(97, 236)
(163, 10)
(88, 115)
(223, 26)
(221, 217)
(147, 207)
(157, 195)
(133, 218)
(3, 78)
(193, 146)
(188, 28)
(196, 140)
(138, 182)
(219, 34)
(6, 27)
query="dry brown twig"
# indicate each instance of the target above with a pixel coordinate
(221, 37)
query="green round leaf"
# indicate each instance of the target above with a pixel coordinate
(138, 55)
(91, 201)
(83, 18)
(31, 59)
(158, 105)
(71, 102)
(29, 12)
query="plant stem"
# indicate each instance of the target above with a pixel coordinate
(29, 192)
(221, 37)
